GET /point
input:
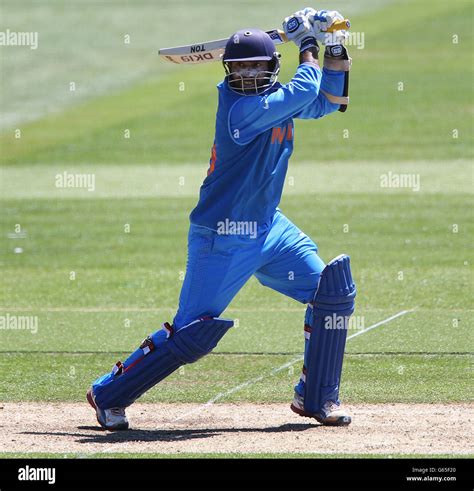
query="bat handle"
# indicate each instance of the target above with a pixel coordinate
(340, 25)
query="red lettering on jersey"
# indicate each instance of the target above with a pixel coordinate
(278, 134)
(212, 161)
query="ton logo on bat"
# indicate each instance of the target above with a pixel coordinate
(197, 48)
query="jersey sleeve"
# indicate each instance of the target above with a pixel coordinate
(251, 116)
(332, 82)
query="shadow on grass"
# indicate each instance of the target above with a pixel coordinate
(102, 436)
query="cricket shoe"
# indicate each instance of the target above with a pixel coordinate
(113, 419)
(332, 414)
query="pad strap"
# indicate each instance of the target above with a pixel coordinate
(337, 64)
(335, 99)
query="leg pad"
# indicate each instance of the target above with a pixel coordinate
(326, 326)
(159, 355)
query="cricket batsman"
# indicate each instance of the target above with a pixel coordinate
(237, 229)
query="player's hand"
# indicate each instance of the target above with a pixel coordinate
(299, 28)
(322, 20)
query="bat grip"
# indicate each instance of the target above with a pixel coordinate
(340, 25)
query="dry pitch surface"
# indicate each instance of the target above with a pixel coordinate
(238, 428)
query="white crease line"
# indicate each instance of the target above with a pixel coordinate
(279, 369)
(373, 326)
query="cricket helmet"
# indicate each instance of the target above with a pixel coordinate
(251, 45)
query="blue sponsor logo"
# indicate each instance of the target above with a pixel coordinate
(292, 25)
(275, 36)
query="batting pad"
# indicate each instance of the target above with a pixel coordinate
(328, 319)
(159, 355)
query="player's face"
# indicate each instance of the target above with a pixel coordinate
(250, 74)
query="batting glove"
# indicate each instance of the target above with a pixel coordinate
(299, 29)
(322, 20)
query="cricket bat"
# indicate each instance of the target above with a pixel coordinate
(212, 50)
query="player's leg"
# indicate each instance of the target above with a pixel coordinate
(218, 266)
(290, 263)
(159, 355)
(292, 267)
(326, 320)
(212, 279)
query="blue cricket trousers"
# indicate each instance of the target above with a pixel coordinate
(280, 255)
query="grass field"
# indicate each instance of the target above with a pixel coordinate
(101, 269)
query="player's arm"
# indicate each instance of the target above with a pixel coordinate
(253, 115)
(333, 93)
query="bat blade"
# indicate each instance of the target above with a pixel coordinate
(208, 51)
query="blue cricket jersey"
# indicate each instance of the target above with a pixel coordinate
(252, 145)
